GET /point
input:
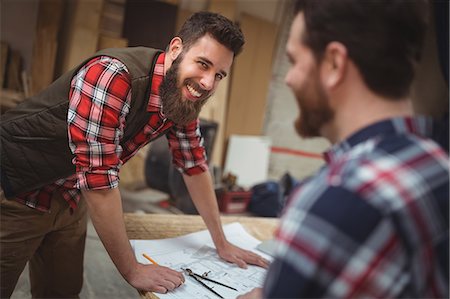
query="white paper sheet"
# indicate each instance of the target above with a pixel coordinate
(196, 251)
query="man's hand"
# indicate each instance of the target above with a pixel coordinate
(202, 193)
(241, 257)
(256, 293)
(105, 209)
(154, 278)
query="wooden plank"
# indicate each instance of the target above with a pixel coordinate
(147, 295)
(105, 42)
(227, 8)
(43, 61)
(251, 77)
(3, 59)
(14, 68)
(45, 44)
(132, 173)
(80, 33)
(171, 226)
(182, 16)
(111, 23)
(26, 83)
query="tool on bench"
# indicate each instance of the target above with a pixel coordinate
(199, 277)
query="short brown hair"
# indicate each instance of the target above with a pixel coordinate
(219, 27)
(384, 38)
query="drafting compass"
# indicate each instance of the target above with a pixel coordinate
(199, 278)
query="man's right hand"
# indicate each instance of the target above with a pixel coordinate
(154, 278)
(105, 209)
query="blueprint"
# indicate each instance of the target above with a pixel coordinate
(196, 251)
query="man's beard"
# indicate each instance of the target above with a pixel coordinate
(315, 111)
(180, 111)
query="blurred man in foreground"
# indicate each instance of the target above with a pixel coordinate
(373, 222)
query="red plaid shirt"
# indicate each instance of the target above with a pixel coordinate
(100, 97)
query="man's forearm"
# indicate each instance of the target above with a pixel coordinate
(105, 209)
(201, 190)
(202, 193)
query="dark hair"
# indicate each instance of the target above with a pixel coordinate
(384, 38)
(219, 27)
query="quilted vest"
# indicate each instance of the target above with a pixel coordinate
(34, 140)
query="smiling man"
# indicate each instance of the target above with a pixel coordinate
(63, 148)
(209, 61)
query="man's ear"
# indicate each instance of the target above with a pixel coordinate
(334, 64)
(175, 47)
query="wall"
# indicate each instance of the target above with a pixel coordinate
(269, 10)
(280, 115)
(430, 93)
(430, 97)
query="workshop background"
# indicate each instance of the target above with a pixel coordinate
(249, 121)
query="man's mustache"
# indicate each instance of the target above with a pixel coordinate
(196, 86)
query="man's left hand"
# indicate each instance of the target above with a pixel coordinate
(241, 257)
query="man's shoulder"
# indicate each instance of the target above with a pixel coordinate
(395, 167)
(380, 171)
(393, 154)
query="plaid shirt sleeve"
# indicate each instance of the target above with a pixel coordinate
(186, 144)
(99, 101)
(335, 245)
(372, 224)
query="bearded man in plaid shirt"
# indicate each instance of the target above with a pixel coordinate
(373, 222)
(62, 151)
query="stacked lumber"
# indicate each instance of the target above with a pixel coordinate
(11, 74)
(45, 44)
(3, 58)
(111, 24)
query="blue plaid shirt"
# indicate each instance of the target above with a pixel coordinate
(372, 223)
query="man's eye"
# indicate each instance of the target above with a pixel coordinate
(219, 77)
(203, 65)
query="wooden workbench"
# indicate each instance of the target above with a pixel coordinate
(161, 226)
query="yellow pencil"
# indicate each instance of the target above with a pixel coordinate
(150, 259)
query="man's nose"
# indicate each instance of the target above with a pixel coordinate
(207, 81)
(287, 79)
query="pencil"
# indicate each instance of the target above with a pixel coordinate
(150, 259)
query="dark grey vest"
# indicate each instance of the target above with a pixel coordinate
(34, 140)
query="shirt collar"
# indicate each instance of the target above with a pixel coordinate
(419, 125)
(154, 103)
